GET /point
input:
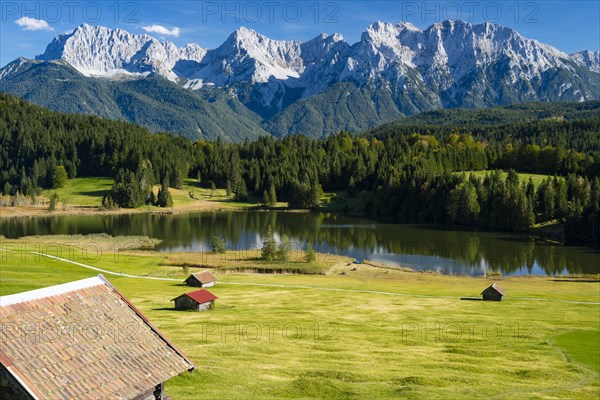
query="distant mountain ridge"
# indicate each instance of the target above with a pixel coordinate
(588, 59)
(281, 87)
(100, 52)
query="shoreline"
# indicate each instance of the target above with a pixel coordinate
(246, 262)
(198, 206)
(235, 262)
(546, 235)
(33, 211)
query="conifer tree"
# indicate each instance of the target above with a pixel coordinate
(269, 247)
(310, 253)
(241, 193)
(53, 202)
(59, 177)
(217, 245)
(164, 198)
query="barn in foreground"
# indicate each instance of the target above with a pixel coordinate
(82, 340)
(198, 300)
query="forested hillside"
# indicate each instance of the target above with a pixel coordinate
(511, 114)
(154, 102)
(407, 173)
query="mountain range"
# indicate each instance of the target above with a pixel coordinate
(252, 85)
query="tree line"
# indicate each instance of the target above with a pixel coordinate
(408, 173)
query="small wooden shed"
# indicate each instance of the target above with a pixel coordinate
(199, 300)
(201, 279)
(493, 293)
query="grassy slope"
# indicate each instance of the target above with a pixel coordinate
(89, 191)
(366, 345)
(82, 191)
(523, 177)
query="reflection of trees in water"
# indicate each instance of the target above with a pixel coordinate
(496, 251)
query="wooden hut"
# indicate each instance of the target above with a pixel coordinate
(201, 279)
(199, 300)
(94, 361)
(493, 293)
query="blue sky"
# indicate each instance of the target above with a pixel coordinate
(27, 27)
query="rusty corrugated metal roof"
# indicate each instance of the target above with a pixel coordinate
(84, 340)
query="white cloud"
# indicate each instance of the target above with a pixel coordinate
(31, 24)
(161, 30)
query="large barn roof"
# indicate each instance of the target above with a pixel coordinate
(84, 340)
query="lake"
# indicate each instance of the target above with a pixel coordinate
(421, 247)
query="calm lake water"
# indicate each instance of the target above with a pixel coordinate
(419, 247)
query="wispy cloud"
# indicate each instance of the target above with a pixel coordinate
(161, 30)
(31, 24)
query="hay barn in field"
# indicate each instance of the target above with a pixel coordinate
(201, 279)
(82, 340)
(493, 293)
(199, 300)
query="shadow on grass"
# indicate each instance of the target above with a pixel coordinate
(576, 280)
(95, 193)
(197, 185)
(172, 309)
(471, 298)
(192, 311)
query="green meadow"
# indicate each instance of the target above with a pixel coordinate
(351, 332)
(88, 192)
(82, 191)
(523, 177)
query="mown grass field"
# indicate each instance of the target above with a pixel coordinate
(371, 333)
(581, 346)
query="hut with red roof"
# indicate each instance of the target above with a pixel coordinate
(199, 300)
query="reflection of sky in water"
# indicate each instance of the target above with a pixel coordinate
(448, 266)
(247, 240)
(379, 255)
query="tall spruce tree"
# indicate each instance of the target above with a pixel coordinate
(164, 198)
(241, 191)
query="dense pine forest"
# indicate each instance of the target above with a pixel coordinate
(414, 171)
